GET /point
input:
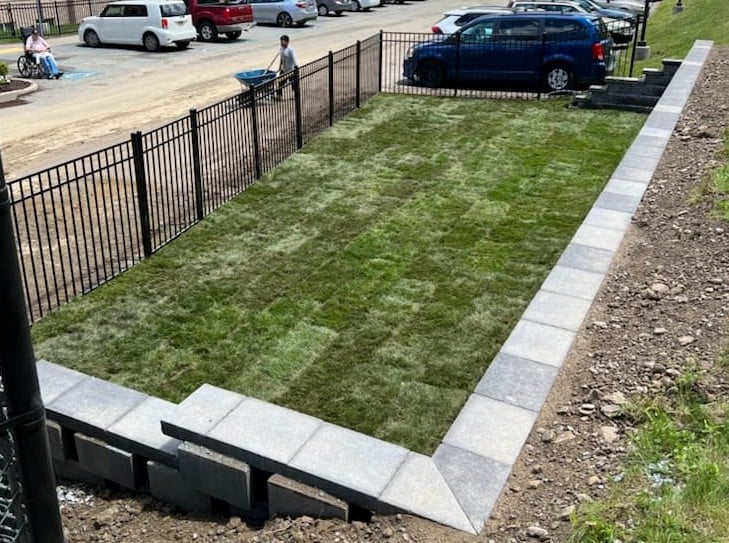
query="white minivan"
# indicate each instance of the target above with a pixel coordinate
(150, 23)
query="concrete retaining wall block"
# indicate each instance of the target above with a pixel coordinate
(167, 485)
(288, 498)
(121, 467)
(216, 475)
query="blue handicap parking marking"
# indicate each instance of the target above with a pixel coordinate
(75, 76)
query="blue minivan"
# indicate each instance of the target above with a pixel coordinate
(557, 50)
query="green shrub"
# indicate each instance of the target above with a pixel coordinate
(3, 73)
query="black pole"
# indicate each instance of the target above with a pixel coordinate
(22, 391)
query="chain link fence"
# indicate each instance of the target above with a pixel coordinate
(13, 519)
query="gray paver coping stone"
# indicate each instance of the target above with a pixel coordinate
(460, 484)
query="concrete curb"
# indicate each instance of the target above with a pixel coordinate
(11, 96)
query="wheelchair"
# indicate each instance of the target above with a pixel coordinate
(27, 65)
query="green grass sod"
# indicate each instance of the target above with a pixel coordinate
(371, 278)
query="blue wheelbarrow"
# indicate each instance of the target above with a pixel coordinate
(254, 77)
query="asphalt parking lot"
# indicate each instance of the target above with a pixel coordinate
(109, 92)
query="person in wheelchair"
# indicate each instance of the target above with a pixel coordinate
(38, 47)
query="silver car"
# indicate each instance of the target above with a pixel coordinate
(326, 7)
(284, 12)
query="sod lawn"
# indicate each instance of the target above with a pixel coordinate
(371, 278)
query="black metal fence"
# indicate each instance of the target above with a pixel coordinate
(466, 53)
(57, 17)
(80, 223)
(83, 222)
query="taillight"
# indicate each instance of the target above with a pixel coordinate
(226, 14)
(436, 30)
(164, 23)
(598, 51)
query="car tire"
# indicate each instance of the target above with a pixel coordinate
(91, 38)
(338, 13)
(181, 45)
(150, 42)
(233, 35)
(284, 20)
(25, 66)
(356, 6)
(431, 73)
(558, 77)
(207, 31)
(323, 10)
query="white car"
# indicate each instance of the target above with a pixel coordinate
(455, 18)
(150, 23)
(634, 7)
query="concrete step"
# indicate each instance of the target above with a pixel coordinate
(656, 77)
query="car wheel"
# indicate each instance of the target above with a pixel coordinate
(91, 38)
(182, 44)
(284, 19)
(558, 77)
(233, 35)
(431, 73)
(25, 66)
(207, 31)
(151, 43)
(356, 6)
(323, 10)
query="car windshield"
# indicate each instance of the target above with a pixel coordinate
(586, 5)
(172, 10)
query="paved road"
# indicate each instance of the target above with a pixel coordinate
(112, 91)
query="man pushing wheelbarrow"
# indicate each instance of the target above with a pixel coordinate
(287, 65)
(286, 73)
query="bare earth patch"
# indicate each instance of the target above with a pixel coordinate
(662, 308)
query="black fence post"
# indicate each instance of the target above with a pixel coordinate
(297, 106)
(256, 144)
(140, 178)
(544, 51)
(379, 66)
(331, 88)
(26, 416)
(10, 19)
(58, 18)
(458, 64)
(358, 76)
(196, 170)
(636, 43)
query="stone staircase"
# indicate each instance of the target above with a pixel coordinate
(630, 93)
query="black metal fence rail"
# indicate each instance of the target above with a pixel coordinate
(55, 17)
(76, 224)
(83, 222)
(395, 48)
(624, 51)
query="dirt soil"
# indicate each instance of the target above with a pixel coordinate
(662, 308)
